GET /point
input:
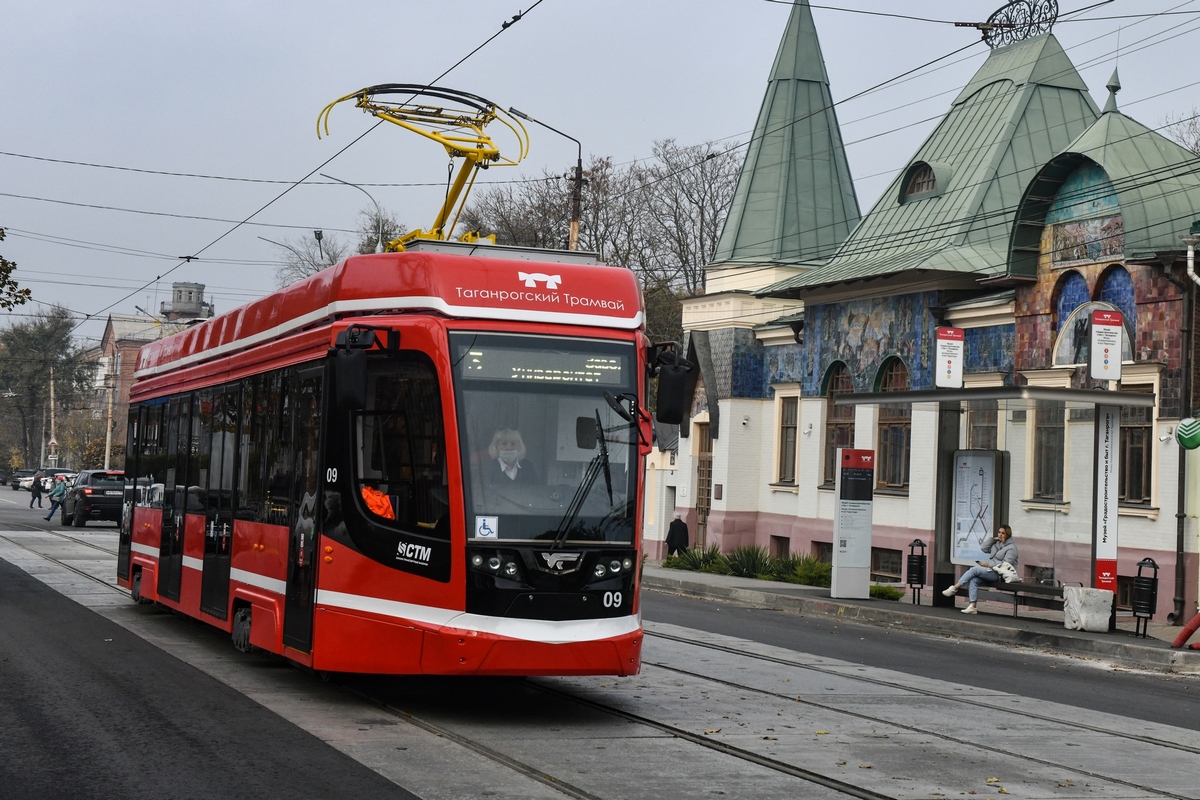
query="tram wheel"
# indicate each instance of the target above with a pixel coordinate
(241, 629)
(135, 590)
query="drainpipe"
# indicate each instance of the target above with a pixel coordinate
(1189, 311)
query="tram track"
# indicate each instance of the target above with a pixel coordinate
(60, 562)
(927, 731)
(429, 723)
(966, 701)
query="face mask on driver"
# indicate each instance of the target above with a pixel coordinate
(508, 456)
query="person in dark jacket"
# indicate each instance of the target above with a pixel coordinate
(677, 536)
(35, 489)
(1000, 550)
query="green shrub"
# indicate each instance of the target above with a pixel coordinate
(707, 560)
(883, 591)
(750, 562)
(809, 571)
(674, 562)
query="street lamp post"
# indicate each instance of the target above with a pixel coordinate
(378, 213)
(577, 191)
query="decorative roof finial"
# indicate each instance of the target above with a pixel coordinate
(1018, 21)
(1113, 86)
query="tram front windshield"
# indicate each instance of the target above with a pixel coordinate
(547, 457)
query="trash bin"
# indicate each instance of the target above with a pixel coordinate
(1145, 595)
(916, 569)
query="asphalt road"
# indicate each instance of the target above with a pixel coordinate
(1163, 698)
(88, 710)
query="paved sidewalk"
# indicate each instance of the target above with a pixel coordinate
(993, 623)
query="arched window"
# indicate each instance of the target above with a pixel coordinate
(1072, 292)
(921, 182)
(839, 420)
(895, 428)
(1116, 288)
(1075, 336)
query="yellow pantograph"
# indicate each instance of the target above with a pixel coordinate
(457, 125)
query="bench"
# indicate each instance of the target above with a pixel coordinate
(1030, 595)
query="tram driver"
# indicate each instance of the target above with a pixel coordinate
(509, 463)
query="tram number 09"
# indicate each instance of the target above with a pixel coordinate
(612, 599)
(331, 475)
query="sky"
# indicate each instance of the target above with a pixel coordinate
(220, 90)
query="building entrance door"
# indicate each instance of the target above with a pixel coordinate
(703, 484)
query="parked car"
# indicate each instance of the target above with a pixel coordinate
(96, 494)
(14, 480)
(48, 476)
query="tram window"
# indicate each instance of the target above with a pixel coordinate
(250, 450)
(202, 417)
(307, 440)
(152, 460)
(277, 425)
(401, 459)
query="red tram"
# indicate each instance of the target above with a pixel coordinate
(418, 462)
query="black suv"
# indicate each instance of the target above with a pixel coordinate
(17, 474)
(96, 494)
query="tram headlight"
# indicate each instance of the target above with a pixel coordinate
(614, 566)
(494, 563)
(627, 564)
(510, 569)
(600, 571)
(477, 560)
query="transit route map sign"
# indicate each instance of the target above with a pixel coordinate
(976, 504)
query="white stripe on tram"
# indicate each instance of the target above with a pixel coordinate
(530, 630)
(398, 303)
(194, 563)
(144, 549)
(261, 581)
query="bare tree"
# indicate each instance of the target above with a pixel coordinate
(308, 255)
(688, 191)
(10, 295)
(1185, 129)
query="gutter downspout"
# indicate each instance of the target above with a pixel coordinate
(1189, 312)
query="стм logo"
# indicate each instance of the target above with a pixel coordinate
(532, 279)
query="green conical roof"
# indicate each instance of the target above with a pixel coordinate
(795, 198)
(1022, 107)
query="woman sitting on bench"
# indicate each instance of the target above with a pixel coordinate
(1002, 550)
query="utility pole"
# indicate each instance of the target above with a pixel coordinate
(109, 384)
(577, 179)
(53, 440)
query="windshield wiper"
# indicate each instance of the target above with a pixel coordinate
(598, 462)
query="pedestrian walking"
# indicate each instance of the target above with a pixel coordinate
(35, 489)
(56, 496)
(677, 536)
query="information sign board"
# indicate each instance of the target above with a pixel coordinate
(1108, 467)
(948, 361)
(1105, 353)
(854, 488)
(976, 503)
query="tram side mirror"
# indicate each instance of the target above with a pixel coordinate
(586, 434)
(672, 393)
(350, 379)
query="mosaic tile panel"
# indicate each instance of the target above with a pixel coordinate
(863, 333)
(990, 349)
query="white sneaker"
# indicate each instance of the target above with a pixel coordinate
(970, 610)
(951, 590)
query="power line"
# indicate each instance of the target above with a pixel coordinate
(246, 221)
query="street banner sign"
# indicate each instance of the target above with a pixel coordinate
(948, 360)
(854, 488)
(1105, 352)
(1104, 514)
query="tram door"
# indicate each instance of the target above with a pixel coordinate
(306, 411)
(174, 499)
(125, 535)
(217, 451)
